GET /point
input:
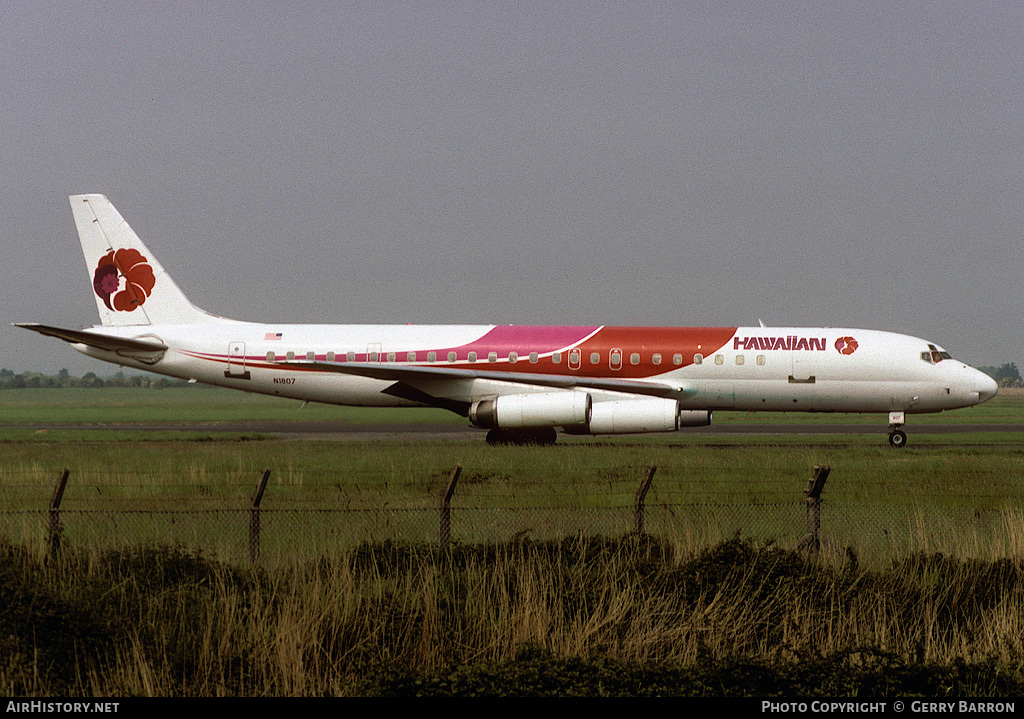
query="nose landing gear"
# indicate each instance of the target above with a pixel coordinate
(897, 437)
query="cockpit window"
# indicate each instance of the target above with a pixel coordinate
(934, 355)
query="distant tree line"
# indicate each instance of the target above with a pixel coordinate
(64, 379)
(1006, 375)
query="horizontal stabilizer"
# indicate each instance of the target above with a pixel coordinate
(129, 347)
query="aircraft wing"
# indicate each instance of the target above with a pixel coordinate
(418, 374)
(143, 350)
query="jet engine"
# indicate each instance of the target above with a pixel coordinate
(631, 416)
(545, 409)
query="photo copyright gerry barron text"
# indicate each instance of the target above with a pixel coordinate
(917, 706)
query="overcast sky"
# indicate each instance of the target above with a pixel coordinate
(823, 164)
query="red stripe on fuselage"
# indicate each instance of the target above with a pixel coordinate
(644, 341)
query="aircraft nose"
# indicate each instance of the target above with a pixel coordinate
(985, 386)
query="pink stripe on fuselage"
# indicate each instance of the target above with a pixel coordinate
(515, 338)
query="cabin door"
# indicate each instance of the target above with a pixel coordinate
(236, 361)
(574, 358)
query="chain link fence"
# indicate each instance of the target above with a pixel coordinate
(873, 531)
(268, 534)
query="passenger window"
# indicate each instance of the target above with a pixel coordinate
(533, 358)
(677, 359)
(310, 356)
(431, 356)
(410, 357)
(634, 358)
(739, 359)
(760, 360)
(513, 357)
(270, 357)
(698, 358)
(656, 358)
(492, 357)
(373, 357)
(595, 358)
(351, 356)
(330, 356)
(556, 357)
(719, 359)
(472, 356)
(391, 356)
(452, 356)
(290, 355)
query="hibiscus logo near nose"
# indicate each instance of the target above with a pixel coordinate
(123, 279)
(846, 345)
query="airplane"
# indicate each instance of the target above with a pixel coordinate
(521, 383)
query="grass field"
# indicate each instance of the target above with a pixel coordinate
(506, 612)
(193, 465)
(208, 404)
(977, 470)
(174, 405)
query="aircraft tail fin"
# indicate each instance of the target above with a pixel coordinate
(130, 286)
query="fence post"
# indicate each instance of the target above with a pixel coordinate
(446, 506)
(641, 495)
(53, 540)
(254, 518)
(813, 540)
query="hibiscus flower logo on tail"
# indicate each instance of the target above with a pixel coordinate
(131, 267)
(846, 345)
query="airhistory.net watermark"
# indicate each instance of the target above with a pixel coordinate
(52, 707)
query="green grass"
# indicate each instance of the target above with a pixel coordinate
(984, 475)
(963, 499)
(202, 469)
(200, 404)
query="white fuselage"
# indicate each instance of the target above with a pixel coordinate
(745, 368)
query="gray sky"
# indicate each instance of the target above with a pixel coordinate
(837, 164)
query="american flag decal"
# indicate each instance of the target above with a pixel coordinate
(273, 336)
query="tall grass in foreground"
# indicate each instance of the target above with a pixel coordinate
(160, 621)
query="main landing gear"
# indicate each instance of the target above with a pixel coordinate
(541, 436)
(897, 437)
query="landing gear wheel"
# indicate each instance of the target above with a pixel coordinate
(499, 436)
(541, 436)
(898, 438)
